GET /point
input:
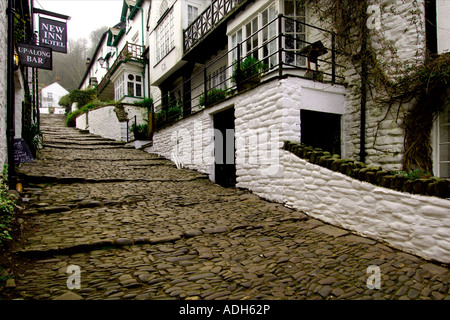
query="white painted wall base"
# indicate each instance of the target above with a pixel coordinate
(104, 122)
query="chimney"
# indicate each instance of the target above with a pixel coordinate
(88, 62)
(58, 79)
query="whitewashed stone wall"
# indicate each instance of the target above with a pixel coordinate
(401, 27)
(3, 86)
(104, 121)
(270, 110)
(413, 223)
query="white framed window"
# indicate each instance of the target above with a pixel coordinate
(217, 79)
(443, 144)
(251, 33)
(295, 31)
(128, 84)
(119, 88)
(269, 33)
(259, 35)
(236, 38)
(134, 85)
(135, 37)
(164, 37)
(192, 13)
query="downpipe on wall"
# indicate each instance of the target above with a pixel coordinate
(364, 74)
(10, 130)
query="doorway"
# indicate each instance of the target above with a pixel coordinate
(224, 148)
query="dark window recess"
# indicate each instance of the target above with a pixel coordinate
(321, 130)
(131, 89)
(138, 90)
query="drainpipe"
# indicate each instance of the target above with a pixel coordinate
(10, 130)
(143, 46)
(364, 74)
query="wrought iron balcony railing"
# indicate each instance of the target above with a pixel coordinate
(285, 52)
(208, 20)
(130, 52)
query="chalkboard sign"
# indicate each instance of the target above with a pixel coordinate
(22, 153)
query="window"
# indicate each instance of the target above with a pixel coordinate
(295, 31)
(135, 37)
(444, 143)
(134, 85)
(49, 95)
(128, 84)
(164, 37)
(251, 43)
(192, 14)
(119, 90)
(235, 40)
(269, 32)
(259, 35)
(163, 7)
(217, 79)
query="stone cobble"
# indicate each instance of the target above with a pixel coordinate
(141, 229)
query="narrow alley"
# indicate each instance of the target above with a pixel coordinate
(139, 228)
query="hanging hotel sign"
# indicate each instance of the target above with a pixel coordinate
(53, 34)
(35, 56)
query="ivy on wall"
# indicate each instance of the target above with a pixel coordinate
(411, 91)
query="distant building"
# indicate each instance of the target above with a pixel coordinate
(117, 66)
(50, 96)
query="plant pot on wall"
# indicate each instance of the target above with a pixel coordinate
(250, 82)
(249, 73)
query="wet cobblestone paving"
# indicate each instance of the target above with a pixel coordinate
(139, 228)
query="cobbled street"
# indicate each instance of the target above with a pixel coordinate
(139, 228)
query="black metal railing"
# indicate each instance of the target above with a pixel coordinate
(130, 51)
(281, 54)
(208, 20)
(131, 128)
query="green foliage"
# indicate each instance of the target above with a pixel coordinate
(140, 131)
(3, 279)
(33, 137)
(213, 96)
(249, 68)
(72, 116)
(413, 175)
(19, 27)
(7, 210)
(66, 102)
(94, 104)
(83, 96)
(145, 103)
(170, 115)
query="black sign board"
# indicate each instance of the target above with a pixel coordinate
(35, 56)
(53, 34)
(22, 153)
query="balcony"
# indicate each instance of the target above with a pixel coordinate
(130, 52)
(209, 19)
(284, 52)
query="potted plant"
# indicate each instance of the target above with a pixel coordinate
(249, 74)
(212, 96)
(140, 131)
